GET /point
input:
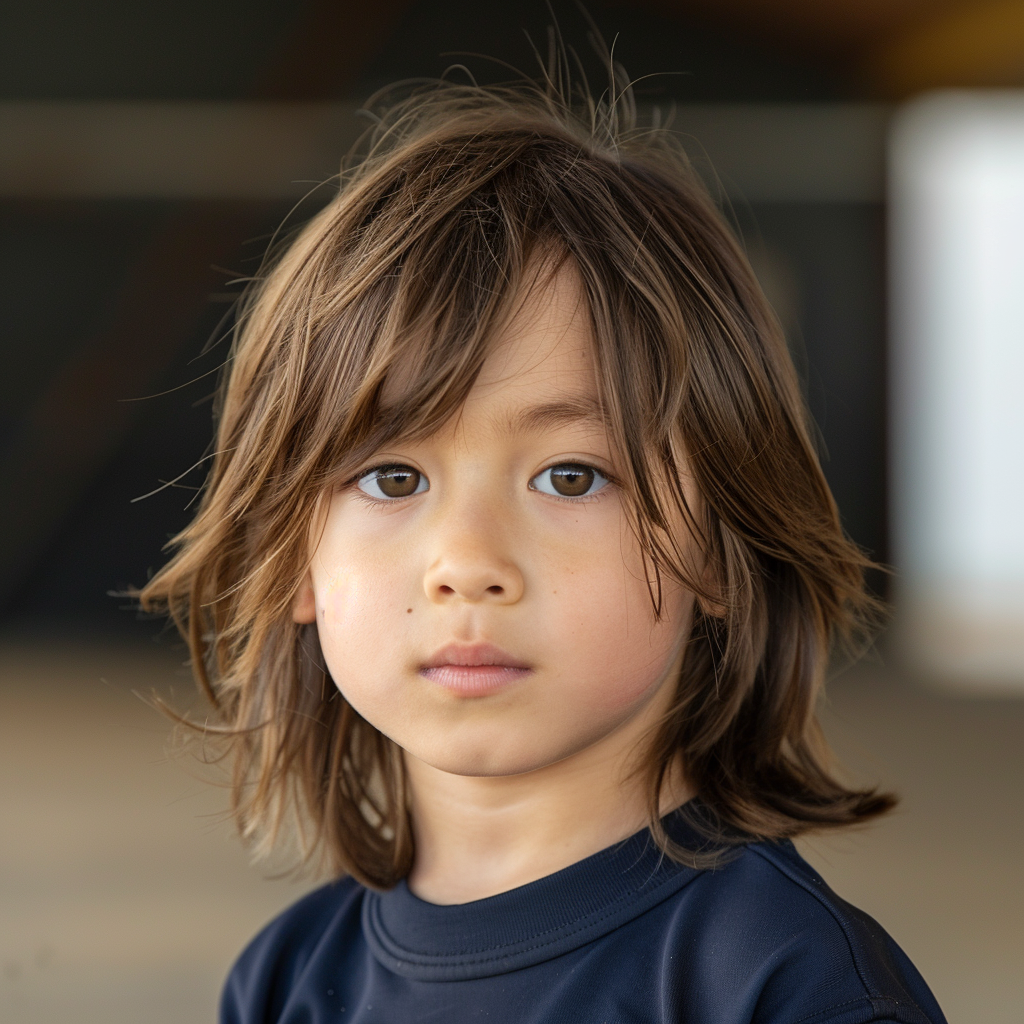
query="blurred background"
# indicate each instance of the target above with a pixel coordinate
(871, 156)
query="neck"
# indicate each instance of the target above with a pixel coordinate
(479, 836)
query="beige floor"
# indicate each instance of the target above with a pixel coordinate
(124, 897)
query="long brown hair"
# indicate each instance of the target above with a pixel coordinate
(373, 323)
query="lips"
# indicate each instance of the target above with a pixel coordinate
(473, 670)
(473, 656)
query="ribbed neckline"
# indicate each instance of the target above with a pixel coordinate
(528, 925)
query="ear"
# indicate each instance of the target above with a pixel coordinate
(304, 602)
(711, 607)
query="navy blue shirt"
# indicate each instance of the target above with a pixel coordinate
(624, 937)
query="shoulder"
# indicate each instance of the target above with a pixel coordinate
(273, 962)
(768, 918)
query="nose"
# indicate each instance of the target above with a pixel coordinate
(472, 563)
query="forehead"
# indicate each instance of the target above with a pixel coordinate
(543, 359)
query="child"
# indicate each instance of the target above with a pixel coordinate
(514, 582)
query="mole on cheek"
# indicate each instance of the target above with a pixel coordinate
(408, 610)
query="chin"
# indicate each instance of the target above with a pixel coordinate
(486, 760)
(485, 766)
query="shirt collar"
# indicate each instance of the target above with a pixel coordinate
(532, 923)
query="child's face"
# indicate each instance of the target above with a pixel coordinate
(498, 539)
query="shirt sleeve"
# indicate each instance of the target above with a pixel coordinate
(260, 982)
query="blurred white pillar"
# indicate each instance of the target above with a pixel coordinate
(957, 257)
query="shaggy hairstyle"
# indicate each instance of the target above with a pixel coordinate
(372, 325)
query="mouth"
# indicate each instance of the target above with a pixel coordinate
(473, 670)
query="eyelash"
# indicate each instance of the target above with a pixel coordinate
(390, 502)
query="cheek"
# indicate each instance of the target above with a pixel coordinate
(357, 608)
(625, 665)
(615, 652)
(338, 598)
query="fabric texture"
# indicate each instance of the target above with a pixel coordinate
(624, 937)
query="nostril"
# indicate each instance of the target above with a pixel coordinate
(471, 590)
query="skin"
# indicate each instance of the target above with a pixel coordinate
(527, 777)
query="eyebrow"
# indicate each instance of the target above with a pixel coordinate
(554, 414)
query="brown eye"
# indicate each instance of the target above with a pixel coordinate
(569, 480)
(393, 482)
(572, 481)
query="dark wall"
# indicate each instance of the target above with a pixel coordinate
(123, 49)
(833, 257)
(68, 266)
